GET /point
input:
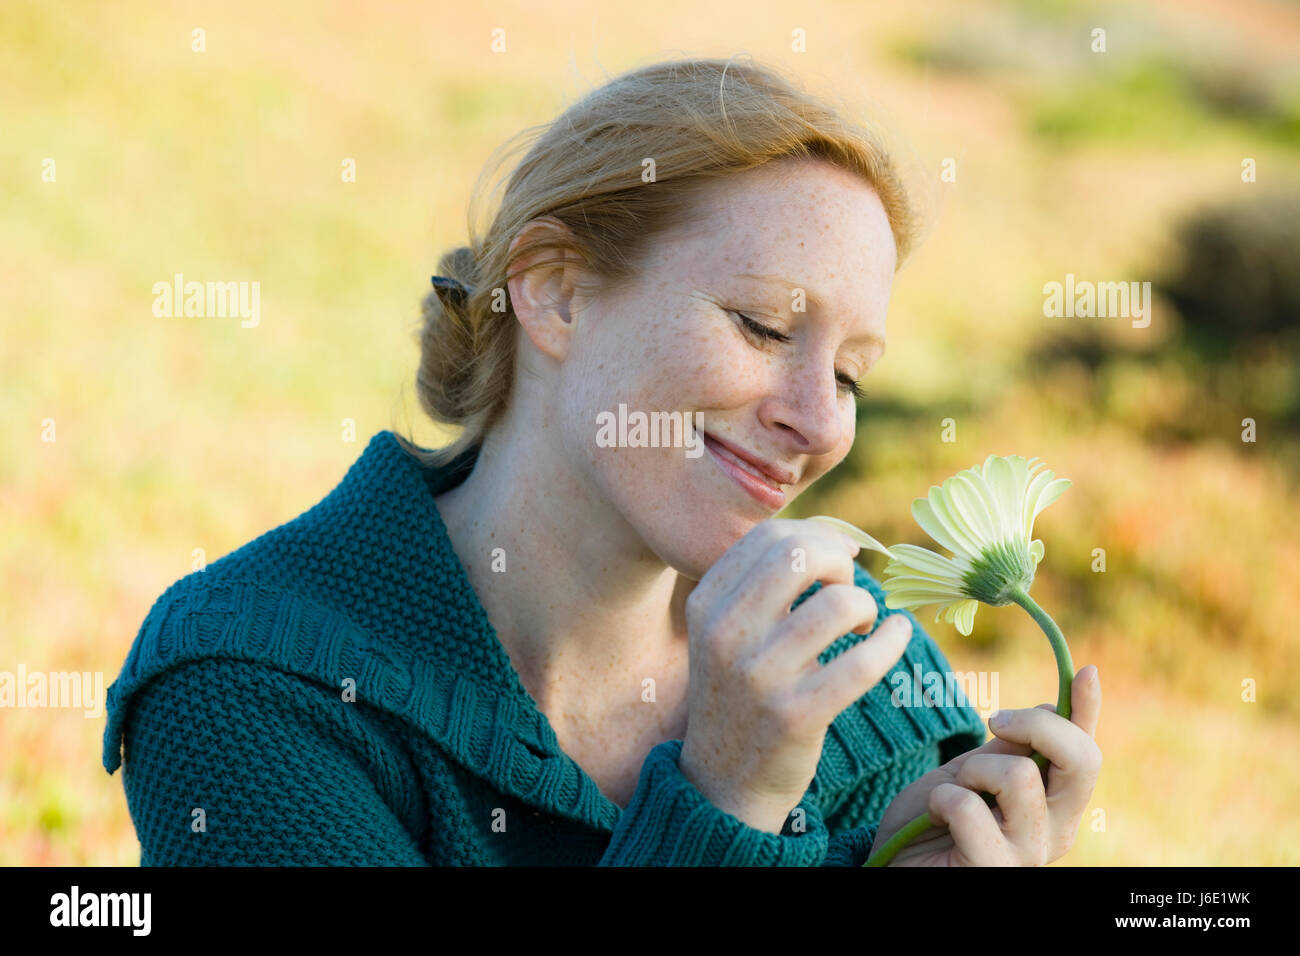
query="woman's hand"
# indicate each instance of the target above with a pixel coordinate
(760, 702)
(1031, 825)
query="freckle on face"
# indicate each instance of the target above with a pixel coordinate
(676, 348)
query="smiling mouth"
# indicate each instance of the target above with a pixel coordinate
(758, 484)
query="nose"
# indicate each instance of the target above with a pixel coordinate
(805, 405)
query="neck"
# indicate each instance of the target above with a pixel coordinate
(582, 602)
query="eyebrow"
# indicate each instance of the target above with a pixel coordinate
(813, 299)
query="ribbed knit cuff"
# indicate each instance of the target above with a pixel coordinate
(852, 847)
(670, 823)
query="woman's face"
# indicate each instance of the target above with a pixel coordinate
(800, 247)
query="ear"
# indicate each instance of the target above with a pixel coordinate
(543, 287)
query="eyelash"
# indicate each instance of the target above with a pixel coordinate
(764, 332)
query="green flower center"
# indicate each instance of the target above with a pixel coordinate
(999, 571)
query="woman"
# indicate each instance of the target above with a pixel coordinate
(540, 646)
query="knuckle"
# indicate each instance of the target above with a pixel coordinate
(839, 599)
(707, 642)
(780, 551)
(1023, 775)
(968, 803)
(866, 604)
(781, 714)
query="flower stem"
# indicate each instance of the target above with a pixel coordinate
(1064, 665)
(1065, 675)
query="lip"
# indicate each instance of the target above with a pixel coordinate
(765, 490)
(780, 475)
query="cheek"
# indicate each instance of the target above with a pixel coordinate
(825, 463)
(849, 431)
(658, 372)
(682, 362)
(718, 368)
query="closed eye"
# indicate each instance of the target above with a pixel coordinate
(846, 381)
(762, 331)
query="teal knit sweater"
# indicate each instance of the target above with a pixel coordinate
(332, 693)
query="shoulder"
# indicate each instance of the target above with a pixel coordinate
(206, 638)
(220, 707)
(233, 762)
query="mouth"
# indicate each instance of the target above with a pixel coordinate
(765, 482)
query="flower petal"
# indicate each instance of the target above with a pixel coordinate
(914, 602)
(904, 600)
(925, 561)
(1007, 478)
(965, 616)
(909, 578)
(992, 502)
(1030, 498)
(972, 506)
(923, 514)
(857, 534)
(922, 589)
(968, 545)
(1046, 496)
(1036, 550)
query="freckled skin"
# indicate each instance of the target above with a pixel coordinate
(604, 544)
(667, 344)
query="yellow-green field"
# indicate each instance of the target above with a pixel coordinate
(174, 434)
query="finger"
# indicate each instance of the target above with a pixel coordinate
(1074, 755)
(814, 625)
(736, 562)
(1018, 786)
(1040, 728)
(994, 745)
(791, 558)
(1085, 700)
(830, 689)
(977, 838)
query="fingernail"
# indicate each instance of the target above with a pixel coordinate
(998, 718)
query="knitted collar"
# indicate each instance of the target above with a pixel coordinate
(366, 584)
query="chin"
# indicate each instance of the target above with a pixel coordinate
(693, 542)
(684, 513)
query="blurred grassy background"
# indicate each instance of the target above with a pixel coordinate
(175, 434)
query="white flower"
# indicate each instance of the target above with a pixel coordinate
(985, 516)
